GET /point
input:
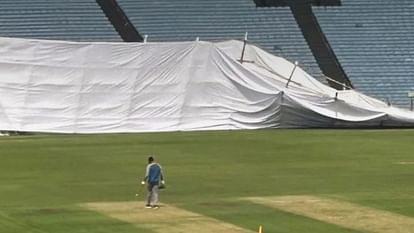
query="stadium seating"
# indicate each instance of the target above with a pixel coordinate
(78, 20)
(374, 42)
(273, 29)
(373, 39)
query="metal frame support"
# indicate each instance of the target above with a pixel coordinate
(244, 47)
(291, 74)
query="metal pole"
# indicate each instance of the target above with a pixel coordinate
(291, 74)
(244, 47)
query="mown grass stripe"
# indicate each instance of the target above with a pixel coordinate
(167, 219)
(345, 214)
(8, 223)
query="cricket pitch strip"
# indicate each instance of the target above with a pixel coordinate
(167, 219)
(341, 213)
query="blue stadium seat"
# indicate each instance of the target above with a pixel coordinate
(374, 42)
(273, 29)
(77, 20)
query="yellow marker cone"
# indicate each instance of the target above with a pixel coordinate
(260, 229)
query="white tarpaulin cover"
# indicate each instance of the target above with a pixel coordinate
(72, 87)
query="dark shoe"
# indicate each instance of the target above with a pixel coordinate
(155, 207)
(148, 206)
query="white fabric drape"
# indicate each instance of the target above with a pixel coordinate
(77, 87)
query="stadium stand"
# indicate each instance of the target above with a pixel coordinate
(77, 20)
(372, 39)
(273, 29)
(374, 42)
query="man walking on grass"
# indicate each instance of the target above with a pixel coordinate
(153, 178)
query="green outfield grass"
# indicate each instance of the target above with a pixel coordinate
(45, 178)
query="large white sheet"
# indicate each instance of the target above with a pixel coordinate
(71, 87)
